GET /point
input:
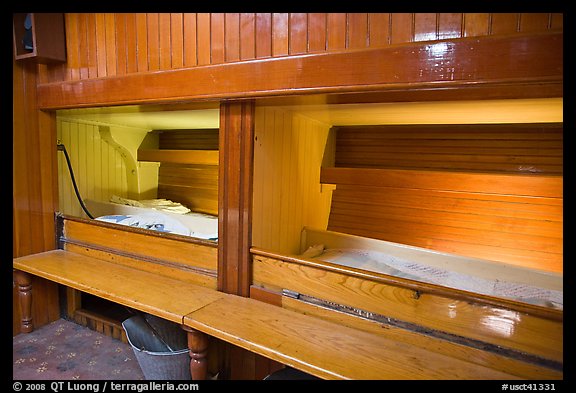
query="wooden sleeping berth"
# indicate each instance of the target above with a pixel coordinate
(117, 264)
(329, 279)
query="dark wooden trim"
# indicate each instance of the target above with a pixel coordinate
(235, 196)
(532, 61)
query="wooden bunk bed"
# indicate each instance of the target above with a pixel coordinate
(476, 271)
(462, 323)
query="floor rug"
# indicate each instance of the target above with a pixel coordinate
(64, 350)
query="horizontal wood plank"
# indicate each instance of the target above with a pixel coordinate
(120, 240)
(517, 148)
(202, 277)
(202, 157)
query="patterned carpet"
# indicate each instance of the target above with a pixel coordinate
(64, 350)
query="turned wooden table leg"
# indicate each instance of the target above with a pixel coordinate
(24, 281)
(198, 346)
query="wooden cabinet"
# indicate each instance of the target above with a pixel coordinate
(39, 36)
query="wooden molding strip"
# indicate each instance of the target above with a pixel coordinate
(508, 62)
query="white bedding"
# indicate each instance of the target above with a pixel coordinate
(386, 264)
(158, 215)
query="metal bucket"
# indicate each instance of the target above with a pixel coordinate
(160, 346)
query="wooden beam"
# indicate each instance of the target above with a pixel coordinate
(235, 198)
(532, 62)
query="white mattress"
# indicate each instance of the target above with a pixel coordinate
(381, 262)
(198, 225)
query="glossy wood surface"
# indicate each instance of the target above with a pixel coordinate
(439, 311)
(202, 157)
(191, 178)
(503, 148)
(161, 296)
(520, 185)
(195, 186)
(515, 219)
(503, 61)
(34, 186)
(326, 349)
(114, 44)
(235, 197)
(445, 347)
(174, 256)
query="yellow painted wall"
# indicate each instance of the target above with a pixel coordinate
(289, 150)
(102, 167)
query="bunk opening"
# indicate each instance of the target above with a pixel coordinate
(141, 168)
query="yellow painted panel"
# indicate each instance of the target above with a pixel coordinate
(99, 169)
(288, 152)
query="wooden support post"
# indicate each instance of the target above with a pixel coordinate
(235, 196)
(198, 346)
(24, 281)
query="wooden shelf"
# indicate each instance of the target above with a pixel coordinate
(47, 34)
(201, 157)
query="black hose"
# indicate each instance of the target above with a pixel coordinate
(61, 147)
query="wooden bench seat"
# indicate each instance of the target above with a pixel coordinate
(325, 349)
(322, 348)
(158, 295)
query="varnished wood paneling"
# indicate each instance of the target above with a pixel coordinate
(195, 186)
(298, 33)
(476, 24)
(495, 61)
(512, 219)
(247, 36)
(172, 41)
(34, 187)
(478, 183)
(232, 37)
(530, 149)
(196, 139)
(317, 32)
